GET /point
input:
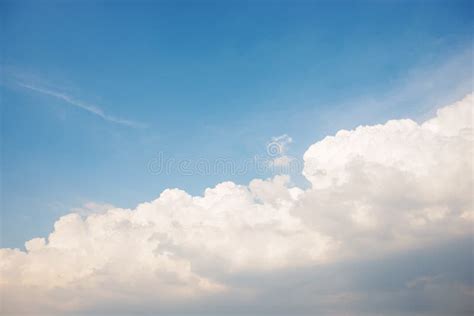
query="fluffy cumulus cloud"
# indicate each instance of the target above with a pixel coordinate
(378, 192)
(393, 185)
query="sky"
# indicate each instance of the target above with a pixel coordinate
(107, 106)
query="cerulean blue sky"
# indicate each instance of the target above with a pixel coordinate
(201, 80)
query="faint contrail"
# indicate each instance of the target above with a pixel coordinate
(80, 104)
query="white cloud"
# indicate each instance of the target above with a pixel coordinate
(92, 208)
(412, 182)
(375, 191)
(277, 149)
(279, 145)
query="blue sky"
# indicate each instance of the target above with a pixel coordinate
(202, 79)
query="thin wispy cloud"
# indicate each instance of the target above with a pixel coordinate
(81, 104)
